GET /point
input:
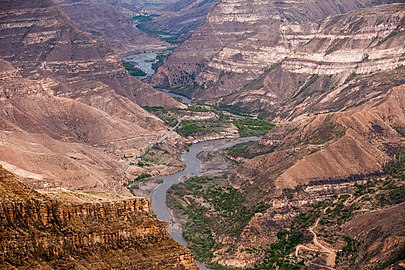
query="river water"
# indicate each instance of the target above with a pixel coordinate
(184, 99)
(143, 61)
(192, 168)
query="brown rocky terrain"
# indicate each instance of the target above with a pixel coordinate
(335, 88)
(325, 149)
(42, 233)
(381, 244)
(112, 21)
(182, 17)
(259, 61)
(62, 142)
(68, 112)
(40, 40)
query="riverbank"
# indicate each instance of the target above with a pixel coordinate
(192, 168)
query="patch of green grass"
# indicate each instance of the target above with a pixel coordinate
(137, 72)
(192, 128)
(141, 18)
(277, 256)
(233, 109)
(134, 71)
(222, 213)
(159, 61)
(253, 127)
(168, 116)
(239, 149)
(142, 176)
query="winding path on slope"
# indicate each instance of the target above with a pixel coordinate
(331, 257)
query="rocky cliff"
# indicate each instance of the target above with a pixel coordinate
(317, 157)
(232, 54)
(113, 20)
(39, 233)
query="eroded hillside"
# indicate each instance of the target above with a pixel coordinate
(40, 233)
(68, 111)
(258, 61)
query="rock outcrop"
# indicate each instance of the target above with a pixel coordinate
(380, 237)
(39, 233)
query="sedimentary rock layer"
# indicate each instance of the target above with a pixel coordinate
(243, 41)
(38, 233)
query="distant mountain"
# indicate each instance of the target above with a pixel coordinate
(113, 21)
(228, 58)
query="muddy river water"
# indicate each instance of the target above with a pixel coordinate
(192, 168)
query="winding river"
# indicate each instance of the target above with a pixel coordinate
(192, 168)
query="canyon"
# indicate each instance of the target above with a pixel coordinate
(326, 75)
(321, 82)
(69, 115)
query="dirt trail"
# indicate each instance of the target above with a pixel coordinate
(331, 253)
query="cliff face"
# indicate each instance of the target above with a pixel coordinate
(331, 146)
(232, 54)
(182, 17)
(112, 20)
(38, 233)
(325, 61)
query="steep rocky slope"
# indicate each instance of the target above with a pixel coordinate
(299, 166)
(38, 38)
(67, 105)
(40, 233)
(327, 146)
(62, 142)
(380, 244)
(112, 21)
(233, 53)
(182, 17)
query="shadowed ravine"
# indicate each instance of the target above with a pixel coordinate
(192, 168)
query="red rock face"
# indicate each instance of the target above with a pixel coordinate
(38, 231)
